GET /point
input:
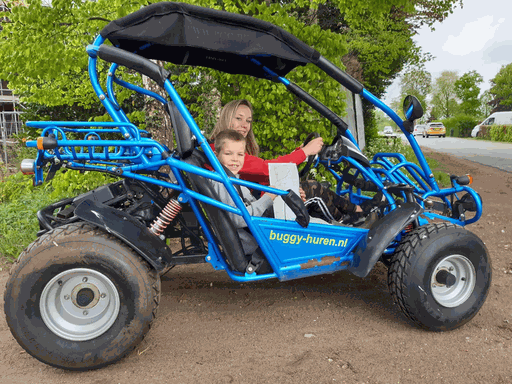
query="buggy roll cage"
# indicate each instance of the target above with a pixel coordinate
(186, 34)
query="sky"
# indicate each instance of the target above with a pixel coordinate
(477, 37)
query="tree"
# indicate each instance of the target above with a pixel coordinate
(416, 82)
(501, 89)
(444, 102)
(485, 103)
(54, 38)
(467, 90)
(379, 50)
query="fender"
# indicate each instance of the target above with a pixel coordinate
(383, 231)
(127, 229)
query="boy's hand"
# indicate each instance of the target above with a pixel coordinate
(302, 194)
(271, 195)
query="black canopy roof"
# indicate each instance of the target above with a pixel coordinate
(186, 34)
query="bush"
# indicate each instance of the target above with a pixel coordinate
(500, 133)
(462, 125)
(20, 201)
(18, 222)
(71, 183)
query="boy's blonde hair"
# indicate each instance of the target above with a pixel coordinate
(226, 115)
(230, 134)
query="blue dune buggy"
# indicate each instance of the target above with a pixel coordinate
(86, 292)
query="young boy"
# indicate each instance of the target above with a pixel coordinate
(230, 150)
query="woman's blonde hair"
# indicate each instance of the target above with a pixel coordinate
(226, 115)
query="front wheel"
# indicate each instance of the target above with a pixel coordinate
(440, 276)
(78, 298)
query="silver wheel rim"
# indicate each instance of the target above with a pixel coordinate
(79, 304)
(465, 279)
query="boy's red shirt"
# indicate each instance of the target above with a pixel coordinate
(256, 169)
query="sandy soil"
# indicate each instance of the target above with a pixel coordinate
(329, 329)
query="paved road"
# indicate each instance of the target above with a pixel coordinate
(490, 153)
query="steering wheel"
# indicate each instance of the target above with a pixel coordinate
(304, 172)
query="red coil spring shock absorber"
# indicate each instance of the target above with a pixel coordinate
(165, 217)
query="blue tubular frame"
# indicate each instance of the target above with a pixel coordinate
(131, 154)
(427, 173)
(425, 183)
(420, 174)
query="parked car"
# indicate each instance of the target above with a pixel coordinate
(418, 129)
(388, 131)
(498, 118)
(434, 129)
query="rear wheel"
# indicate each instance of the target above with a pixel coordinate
(78, 298)
(440, 276)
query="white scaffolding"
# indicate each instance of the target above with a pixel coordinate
(10, 121)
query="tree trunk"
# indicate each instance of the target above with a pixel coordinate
(158, 122)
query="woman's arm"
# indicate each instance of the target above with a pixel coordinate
(259, 167)
(255, 166)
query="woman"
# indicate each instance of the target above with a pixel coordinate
(237, 115)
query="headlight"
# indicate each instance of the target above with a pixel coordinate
(28, 166)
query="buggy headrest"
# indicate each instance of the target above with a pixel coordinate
(185, 142)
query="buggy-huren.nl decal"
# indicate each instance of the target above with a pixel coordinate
(286, 238)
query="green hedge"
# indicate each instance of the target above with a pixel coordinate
(462, 125)
(500, 133)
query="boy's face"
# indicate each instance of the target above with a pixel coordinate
(232, 155)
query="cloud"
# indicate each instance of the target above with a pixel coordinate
(498, 52)
(473, 37)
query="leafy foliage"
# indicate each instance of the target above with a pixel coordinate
(416, 82)
(20, 201)
(500, 133)
(485, 103)
(55, 37)
(461, 125)
(467, 90)
(43, 56)
(18, 223)
(71, 183)
(444, 102)
(501, 89)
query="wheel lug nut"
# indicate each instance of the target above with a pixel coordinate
(103, 295)
(85, 313)
(84, 279)
(59, 282)
(66, 297)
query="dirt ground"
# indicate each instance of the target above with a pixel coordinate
(331, 329)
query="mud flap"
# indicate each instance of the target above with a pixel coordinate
(129, 230)
(382, 233)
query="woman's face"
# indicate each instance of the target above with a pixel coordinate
(241, 121)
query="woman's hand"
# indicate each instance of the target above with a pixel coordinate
(313, 147)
